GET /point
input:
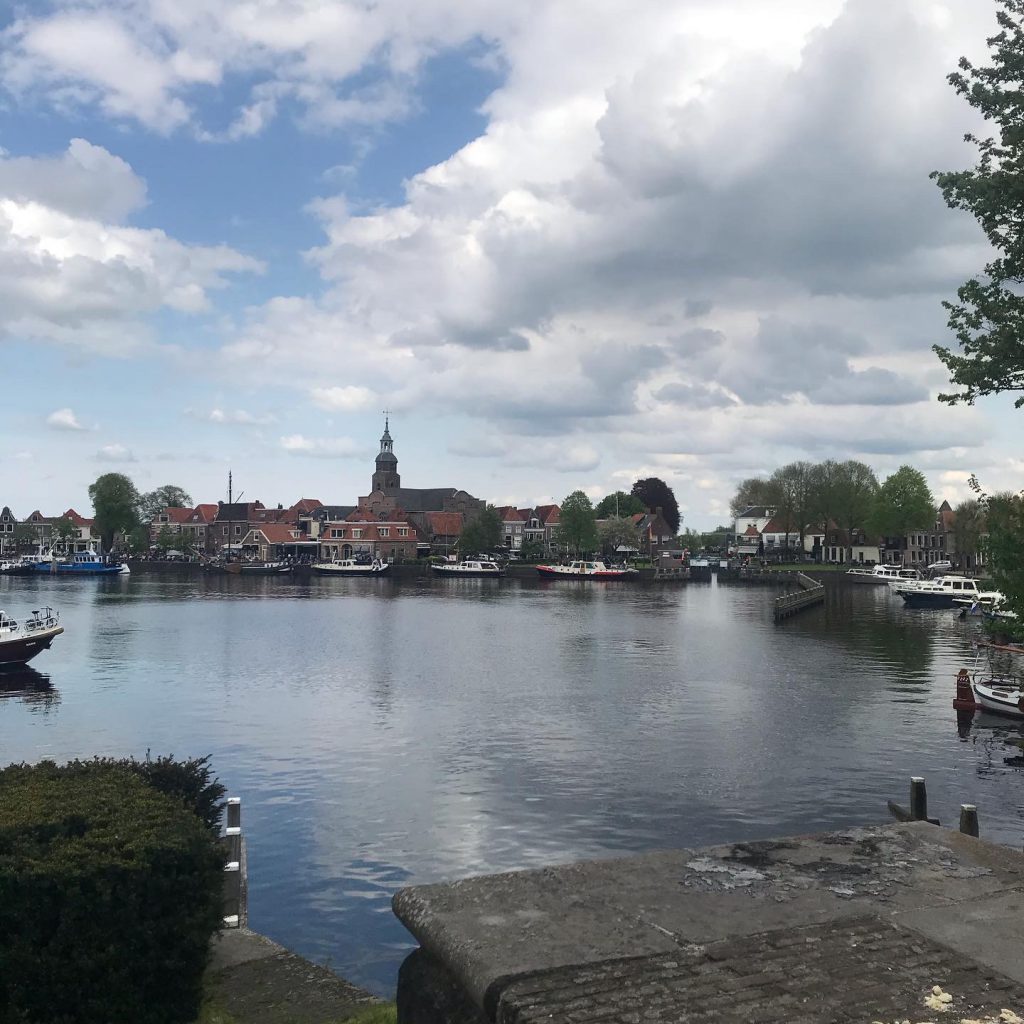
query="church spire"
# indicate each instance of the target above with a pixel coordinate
(386, 477)
(386, 444)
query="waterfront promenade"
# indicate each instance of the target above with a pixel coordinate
(905, 923)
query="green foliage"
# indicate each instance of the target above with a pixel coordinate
(167, 539)
(752, 491)
(903, 503)
(484, 532)
(577, 529)
(1004, 544)
(655, 494)
(968, 525)
(619, 503)
(854, 491)
(115, 503)
(618, 532)
(531, 551)
(169, 496)
(793, 487)
(110, 892)
(64, 529)
(988, 318)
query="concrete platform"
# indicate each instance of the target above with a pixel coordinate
(858, 925)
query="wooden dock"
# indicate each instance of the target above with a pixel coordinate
(811, 593)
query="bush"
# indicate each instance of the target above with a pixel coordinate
(109, 895)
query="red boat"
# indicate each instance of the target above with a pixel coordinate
(584, 571)
(21, 642)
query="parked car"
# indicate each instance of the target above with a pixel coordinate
(943, 566)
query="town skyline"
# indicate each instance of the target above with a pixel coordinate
(699, 244)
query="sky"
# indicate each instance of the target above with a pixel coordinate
(567, 243)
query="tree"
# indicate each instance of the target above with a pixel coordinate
(793, 487)
(531, 550)
(167, 539)
(754, 491)
(169, 496)
(655, 494)
(577, 529)
(484, 532)
(988, 318)
(968, 524)
(23, 535)
(64, 529)
(854, 489)
(619, 503)
(115, 503)
(618, 532)
(903, 503)
(1004, 547)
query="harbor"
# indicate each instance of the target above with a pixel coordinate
(406, 731)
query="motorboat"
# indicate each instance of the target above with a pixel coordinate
(584, 570)
(82, 563)
(468, 568)
(257, 568)
(20, 642)
(350, 567)
(941, 592)
(881, 574)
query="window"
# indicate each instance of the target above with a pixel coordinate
(384, 531)
(403, 531)
(357, 534)
(338, 533)
(238, 531)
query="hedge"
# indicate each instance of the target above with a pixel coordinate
(110, 892)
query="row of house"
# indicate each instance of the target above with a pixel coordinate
(760, 531)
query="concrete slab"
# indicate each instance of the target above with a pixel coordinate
(488, 932)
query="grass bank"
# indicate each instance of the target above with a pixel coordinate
(383, 1013)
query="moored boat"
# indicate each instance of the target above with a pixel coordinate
(468, 568)
(350, 567)
(877, 574)
(82, 563)
(584, 570)
(20, 642)
(938, 593)
(257, 568)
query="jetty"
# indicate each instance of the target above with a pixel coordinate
(879, 923)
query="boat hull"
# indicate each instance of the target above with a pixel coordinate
(549, 572)
(465, 574)
(22, 649)
(914, 599)
(358, 570)
(999, 700)
(69, 569)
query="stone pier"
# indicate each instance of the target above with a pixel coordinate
(885, 923)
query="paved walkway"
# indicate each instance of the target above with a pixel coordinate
(257, 981)
(889, 923)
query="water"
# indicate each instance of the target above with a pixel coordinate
(384, 732)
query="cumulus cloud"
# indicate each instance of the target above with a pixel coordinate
(237, 417)
(115, 453)
(323, 447)
(64, 419)
(350, 398)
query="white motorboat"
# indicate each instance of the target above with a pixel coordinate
(584, 570)
(887, 574)
(1003, 695)
(350, 567)
(20, 642)
(941, 592)
(468, 568)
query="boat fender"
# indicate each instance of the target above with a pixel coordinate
(964, 700)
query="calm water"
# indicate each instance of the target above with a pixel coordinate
(382, 733)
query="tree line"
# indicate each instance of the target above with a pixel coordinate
(119, 507)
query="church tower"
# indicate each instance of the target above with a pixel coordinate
(386, 477)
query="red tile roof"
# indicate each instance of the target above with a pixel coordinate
(203, 514)
(511, 515)
(445, 524)
(751, 531)
(776, 525)
(306, 505)
(177, 515)
(279, 533)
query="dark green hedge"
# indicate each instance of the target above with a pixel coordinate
(109, 895)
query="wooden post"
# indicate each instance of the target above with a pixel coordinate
(234, 811)
(918, 799)
(233, 844)
(969, 820)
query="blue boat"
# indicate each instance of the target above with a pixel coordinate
(84, 563)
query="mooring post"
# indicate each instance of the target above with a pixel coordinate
(234, 812)
(969, 820)
(235, 887)
(918, 799)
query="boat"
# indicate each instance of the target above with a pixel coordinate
(20, 642)
(350, 567)
(584, 570)
(880, 574)
(941, 592)
(257, 568)
(82, 563)
(468, 568)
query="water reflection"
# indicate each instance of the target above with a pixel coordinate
(389, 731)
(31, 687)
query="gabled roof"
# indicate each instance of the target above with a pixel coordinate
(239, 511)
(335, 513)
(776, 525)
(757, 512)
(175, 515)
(511, 515)
(548, 514)
(203, 514)
(279, 533)
(306, 505)
(445, 524)
(6, 513)
(751, 531)
(76, 518)
(423, 499)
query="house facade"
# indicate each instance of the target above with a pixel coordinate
(362, 534)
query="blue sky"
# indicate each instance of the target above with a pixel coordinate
(569, 245)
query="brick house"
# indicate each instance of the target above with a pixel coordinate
(443, 530)
(393, 539)
(514, 524)
(653, 531)
(8, 529)
(272, 542)
(197, 531)
(232, 522)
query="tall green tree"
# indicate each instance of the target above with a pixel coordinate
(968, 525)
(655, 494)
(483, 532)
(793, 488)
(577, 528)
(988, 316)
(115, 503)
(619, 503)
(1003, 544)
(617, 532)
(754, 491)
(855, 488)
(903, 503)
(169, 496)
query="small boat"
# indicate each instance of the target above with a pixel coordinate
(938, 593)
(21, 642)
(584, 570)
(83, 563)
(468, 568)
(257, 568)
(878, 574)
(350, 567)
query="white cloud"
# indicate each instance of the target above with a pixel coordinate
(350, 398)
(115, 453)
(238, 417)
(64, 419)
(325, 448)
